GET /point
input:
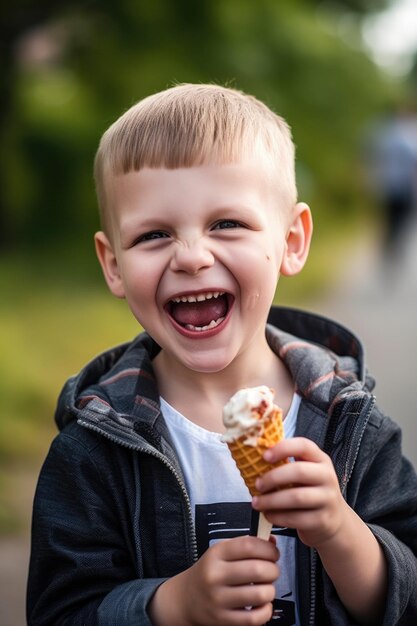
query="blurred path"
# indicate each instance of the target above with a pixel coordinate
(380, 305)
(14, 555)
(14, 549)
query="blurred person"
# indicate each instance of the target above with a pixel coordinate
(391, 161)
(200, 217)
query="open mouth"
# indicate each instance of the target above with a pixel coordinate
(200, 312)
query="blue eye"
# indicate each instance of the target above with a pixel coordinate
(152, 235)
(225, 224)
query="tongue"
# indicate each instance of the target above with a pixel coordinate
(199, 313)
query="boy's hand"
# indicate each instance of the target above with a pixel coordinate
(304, 495)
(313, 504)
(231, 575)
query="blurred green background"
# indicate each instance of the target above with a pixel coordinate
(68, 69)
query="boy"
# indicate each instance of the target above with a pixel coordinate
(197, 195)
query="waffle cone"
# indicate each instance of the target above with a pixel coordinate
(249, 459)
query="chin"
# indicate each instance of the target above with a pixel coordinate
(208, 364)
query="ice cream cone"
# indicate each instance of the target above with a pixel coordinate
(248, 451)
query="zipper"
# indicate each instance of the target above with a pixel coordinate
(313, 590)
(353, 454)
(160, 457)
(350, 460)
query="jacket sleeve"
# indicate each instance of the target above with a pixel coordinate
(83, 568)
(387, 501)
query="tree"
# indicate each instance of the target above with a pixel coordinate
(111, 54)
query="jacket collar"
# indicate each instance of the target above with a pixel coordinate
(325, 359)
(118, 387)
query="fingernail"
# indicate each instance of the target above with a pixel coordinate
(255, 501)
(268, 455)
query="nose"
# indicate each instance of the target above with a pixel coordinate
(191, 257)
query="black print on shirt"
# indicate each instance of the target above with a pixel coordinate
(224, 520)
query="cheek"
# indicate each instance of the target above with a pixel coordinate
(263, 259)
(257, 272)
(261, 292)
(140, 281)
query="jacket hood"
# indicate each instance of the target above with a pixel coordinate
(325, 359)
(109, 384)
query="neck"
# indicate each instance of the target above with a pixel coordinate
(200, 396)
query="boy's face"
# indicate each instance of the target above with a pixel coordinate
(197, 253)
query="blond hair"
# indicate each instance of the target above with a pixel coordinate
(190, 125)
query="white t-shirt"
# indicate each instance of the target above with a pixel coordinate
(221, 501)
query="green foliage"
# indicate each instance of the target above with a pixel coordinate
(48, 331)
(104, 56)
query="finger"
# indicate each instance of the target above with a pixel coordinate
(248, 595)
(297, 473)
(249, 616)
(241, 548)
(302, 519)
(273, 540)
(296, 447)
(250, 572)
(297, 498)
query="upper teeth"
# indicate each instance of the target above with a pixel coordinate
(199, 297)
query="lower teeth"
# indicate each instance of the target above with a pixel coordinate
(212, 324)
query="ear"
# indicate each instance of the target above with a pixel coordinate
(297, 240)
(109, 264)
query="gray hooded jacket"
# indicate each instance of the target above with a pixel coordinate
(112, 518)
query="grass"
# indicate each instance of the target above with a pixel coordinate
(47, 335)
(53, 322)
(48, 329)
